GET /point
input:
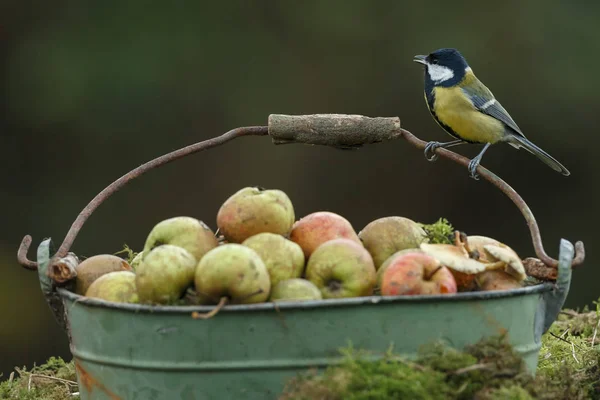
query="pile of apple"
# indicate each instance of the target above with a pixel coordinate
(262, 253)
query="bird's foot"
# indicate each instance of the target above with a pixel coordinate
(430, 150)
(473, 164)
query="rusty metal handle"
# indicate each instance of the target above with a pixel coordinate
(337, 130)
(125, 179)
(511, 194)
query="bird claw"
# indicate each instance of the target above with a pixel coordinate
(430, 151)
(473, 164)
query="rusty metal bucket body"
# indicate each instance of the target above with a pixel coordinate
(129, 351)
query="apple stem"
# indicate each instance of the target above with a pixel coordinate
(428, 277)
(213, 312)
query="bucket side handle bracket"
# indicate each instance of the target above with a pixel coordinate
(48, 286)
(553, 301)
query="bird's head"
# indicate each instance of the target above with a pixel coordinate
(444, 67)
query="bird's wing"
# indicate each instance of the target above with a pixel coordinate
(485, 102)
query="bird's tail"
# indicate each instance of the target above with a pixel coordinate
(522, 142)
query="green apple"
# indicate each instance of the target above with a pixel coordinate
(254, 210)
(233, 271)
(295, 289)
(186, 232)
(341, 268)
(319, 227)
(283, 258)
(94, 267)
(137, 260)
(118, 287)
(164, 274)
(385, 236)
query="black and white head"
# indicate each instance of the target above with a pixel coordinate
(444, 67)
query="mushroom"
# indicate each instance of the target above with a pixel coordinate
(453, 257)
(456, 258)
(496, 254)
(505, 255)
(476, 243)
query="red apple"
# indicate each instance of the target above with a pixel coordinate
(416, 274)
(319, 227)
(497, 280)
(386, 263)
(464, 282)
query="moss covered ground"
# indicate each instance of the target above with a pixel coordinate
(569, 368)
(53, 380)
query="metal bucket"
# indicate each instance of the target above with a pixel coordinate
(126, 351)
(129, 351)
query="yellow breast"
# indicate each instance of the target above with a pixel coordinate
(456, 111)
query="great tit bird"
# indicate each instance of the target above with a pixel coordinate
(466, 109)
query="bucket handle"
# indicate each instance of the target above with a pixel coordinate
(336, 130)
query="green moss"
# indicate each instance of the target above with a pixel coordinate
(129, 252)
(438, 372)
(360, 379)
(444, 358)
(489, 370)
(513, 392)
(440, 231)
(55, 380)
(569, 363)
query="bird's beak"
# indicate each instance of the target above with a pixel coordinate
(420, 59)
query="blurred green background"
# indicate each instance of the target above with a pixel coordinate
(91, 90)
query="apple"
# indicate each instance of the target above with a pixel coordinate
(164, 274)
(387, 263)
(185, 232)
(118, 286)
(319, 227)
(341, 268)
(137, 260)
(295, 289)
(385, 236)
(416, 274)
(497, 280)
(254, 210)
(233, 271)
(94, 267)
(283, 258)
(464, 282)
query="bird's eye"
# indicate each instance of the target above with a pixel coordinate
(434, 61)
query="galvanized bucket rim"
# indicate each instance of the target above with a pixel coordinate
(309, 304)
